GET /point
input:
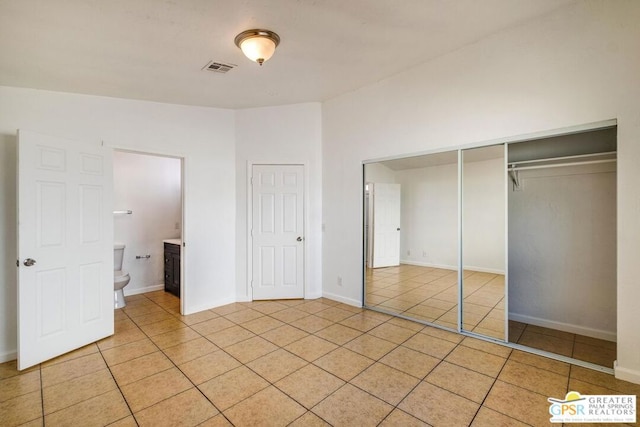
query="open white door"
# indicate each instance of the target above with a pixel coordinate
(385, 223)
(278, 231)
(65, 246)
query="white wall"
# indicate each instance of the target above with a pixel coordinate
(429, 215)
(562, 250)
(204, 136)
(484, 205)
(578, 65)
(281, 135)
(150, 186)
(377, 172)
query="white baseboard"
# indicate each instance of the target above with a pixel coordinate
(483, 269)
(452, 267)
(566, 327)
(344, 300)
(8, 356)
(626, 374)
(428, 264)
(136, 291)
(246, 298)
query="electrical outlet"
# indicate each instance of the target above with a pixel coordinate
(424, 254)
(408, 252)
(339, 280)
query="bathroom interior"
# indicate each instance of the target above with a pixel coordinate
(147, 219)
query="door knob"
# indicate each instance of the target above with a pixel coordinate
(398, 229)
(299, 239)
(29, 262)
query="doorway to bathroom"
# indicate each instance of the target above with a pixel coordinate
(148, 220)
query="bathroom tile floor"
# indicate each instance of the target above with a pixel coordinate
(431, 295)
(296, 362)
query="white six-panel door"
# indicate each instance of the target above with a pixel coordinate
(65, 246)
(277, 231)
(386, 224)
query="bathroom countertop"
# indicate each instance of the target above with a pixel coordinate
(173, 241)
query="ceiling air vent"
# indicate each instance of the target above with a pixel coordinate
(218, 67)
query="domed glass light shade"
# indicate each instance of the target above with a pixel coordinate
(257, 45)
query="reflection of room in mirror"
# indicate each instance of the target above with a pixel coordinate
(431, 295)
(426, 238)
(483, 241)
(555, 195)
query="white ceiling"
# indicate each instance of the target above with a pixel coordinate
(155, 49)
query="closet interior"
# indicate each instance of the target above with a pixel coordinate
(509, 242)
(562, 245)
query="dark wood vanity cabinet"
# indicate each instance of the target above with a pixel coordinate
(172, 268)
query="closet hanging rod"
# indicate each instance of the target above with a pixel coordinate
(554, 159)
(127, 212)
(557, 165)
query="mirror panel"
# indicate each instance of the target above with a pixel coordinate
(483, 241)
(411, 265)
(426, 215)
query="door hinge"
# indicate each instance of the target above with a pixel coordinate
(17, 263)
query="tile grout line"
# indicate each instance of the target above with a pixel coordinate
(166, 307)
(424, 378)
(116, 382)
(307, 362)
(495, 380)
(44, 423)
(339, 346)
(176, 366)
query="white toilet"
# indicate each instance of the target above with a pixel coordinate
(120, 278)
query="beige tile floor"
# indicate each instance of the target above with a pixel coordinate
(431, 294)
(298, 363)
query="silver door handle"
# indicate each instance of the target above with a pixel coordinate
(398, 229)
(299, 239)
(29, 262)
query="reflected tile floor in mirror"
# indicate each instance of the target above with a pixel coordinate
(296, 363)
(431, 294)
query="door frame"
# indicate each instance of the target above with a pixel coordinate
(183, 184)
(249, 223)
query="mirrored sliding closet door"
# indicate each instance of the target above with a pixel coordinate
(484, 241)
(411, 237)
(511, 242)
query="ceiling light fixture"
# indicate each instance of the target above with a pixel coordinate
(257, 45)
